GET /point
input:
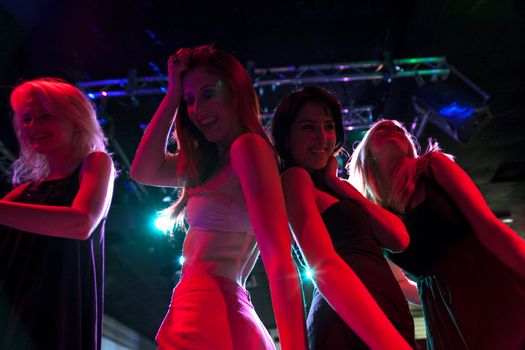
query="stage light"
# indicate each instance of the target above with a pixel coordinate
(309, 273)
(182, 260)
(167, 199)
(457, 106)
(162, 223)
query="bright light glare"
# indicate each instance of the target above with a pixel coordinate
(162, 223)
(310, 274)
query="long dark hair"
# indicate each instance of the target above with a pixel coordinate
(286, 113)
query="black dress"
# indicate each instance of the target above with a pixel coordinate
(51, 288)
(348, 224)
(470, 299)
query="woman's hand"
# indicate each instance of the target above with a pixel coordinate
(178, 63)
(331, 168)
(153, 164)
(328, 175)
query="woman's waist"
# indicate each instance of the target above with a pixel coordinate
(226, 254)
(229, 269)
(205, 285)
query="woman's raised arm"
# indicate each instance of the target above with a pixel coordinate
(153, 164)
(495, 236)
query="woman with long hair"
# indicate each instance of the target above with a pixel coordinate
(233, 204)
(357, 303)
(468, 265)
(52, 222)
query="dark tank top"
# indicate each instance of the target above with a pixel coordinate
(51, 289)
(348, 224)
(470, 299)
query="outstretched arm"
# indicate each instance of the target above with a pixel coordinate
(387, 228)
(153, 164)
(253, 162)
(495, 236)
(340, 286)
(77, 221)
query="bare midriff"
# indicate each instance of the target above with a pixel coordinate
(226, 254)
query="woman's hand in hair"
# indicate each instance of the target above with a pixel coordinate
(178, 63)
(153, 164)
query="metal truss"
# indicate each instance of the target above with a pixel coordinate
(429, 67)
(432, 67)
(356, 117)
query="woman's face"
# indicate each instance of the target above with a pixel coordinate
(312, 137)
(209, 107)
(388, 140)
(43, 132)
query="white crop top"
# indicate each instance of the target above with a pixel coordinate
(219, 205)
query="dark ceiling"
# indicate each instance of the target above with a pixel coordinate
(84, 41)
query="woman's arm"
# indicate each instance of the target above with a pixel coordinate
(386, 227)
(495, 236)
(15, 192)
(253, 162)
(336, 281)
(408, 287)
(77, 221)
(153, 164)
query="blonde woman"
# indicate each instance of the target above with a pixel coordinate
(52, 223)
(469, 266)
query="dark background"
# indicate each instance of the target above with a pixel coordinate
(84, 41)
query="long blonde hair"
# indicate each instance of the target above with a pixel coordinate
(63, 101)
(362, 174)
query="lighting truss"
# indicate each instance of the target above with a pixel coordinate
(357, 71)
(431, 67)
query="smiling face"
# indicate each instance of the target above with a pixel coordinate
(42, 132)
(208, 104)
(312, 137)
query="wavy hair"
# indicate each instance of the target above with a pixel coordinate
(197, 157)
(63, 101)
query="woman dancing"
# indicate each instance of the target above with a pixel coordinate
(340, 233)
(233, 204)
(469, 266)
(52, 223)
